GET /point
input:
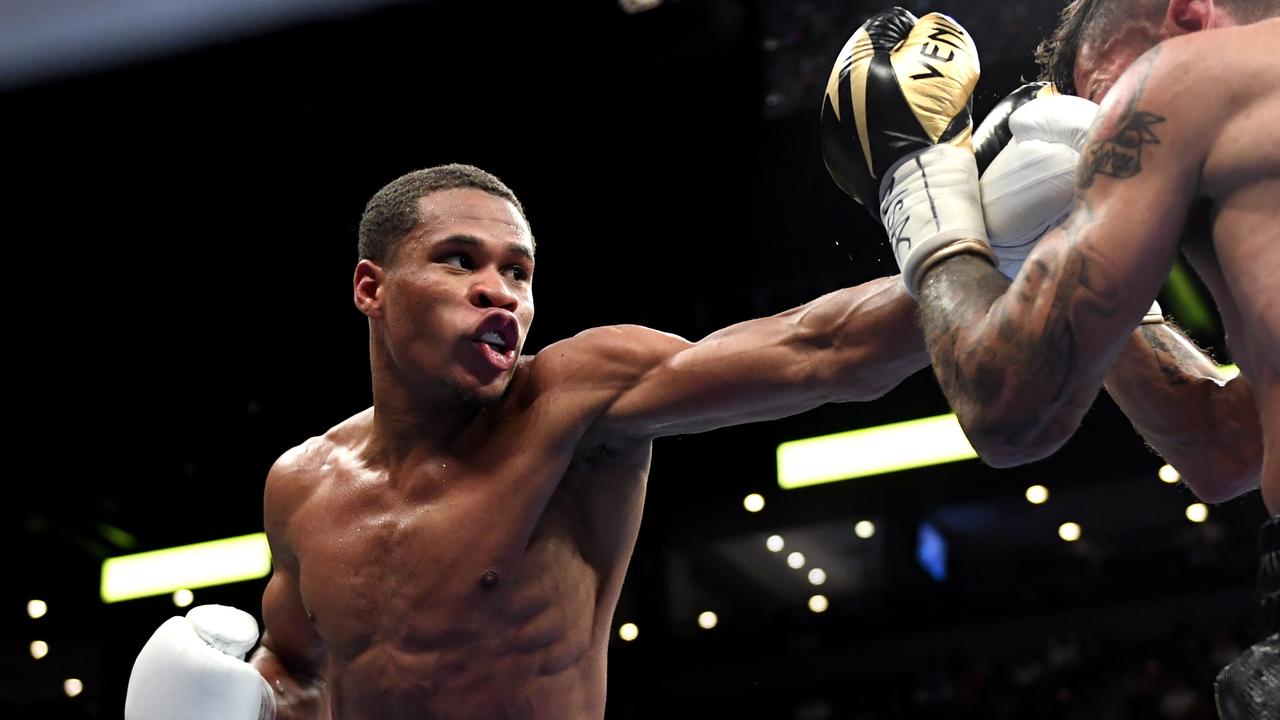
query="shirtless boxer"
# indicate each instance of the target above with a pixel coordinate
(1198, 418)
(457, 550)
(1187, 129)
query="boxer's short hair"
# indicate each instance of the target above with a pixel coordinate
(1087, 21)
(392, 212)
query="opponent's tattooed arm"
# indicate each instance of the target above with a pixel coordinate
(1021, 363)
(1119, 154)
(1198, 418)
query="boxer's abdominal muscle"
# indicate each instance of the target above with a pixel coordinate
(452, 595)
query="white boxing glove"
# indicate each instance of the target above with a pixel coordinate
(1029, 187)
(193, 668)
(1029, 148)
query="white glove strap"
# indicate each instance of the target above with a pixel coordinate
(931, 208)
(1154, 315)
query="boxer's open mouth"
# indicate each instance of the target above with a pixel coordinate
(498, 335)
(494, 340)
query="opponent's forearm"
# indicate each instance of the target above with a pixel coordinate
(298, 696)
(1007, 357)
(1201, 422)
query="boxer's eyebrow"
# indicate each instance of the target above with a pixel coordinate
(514, 248)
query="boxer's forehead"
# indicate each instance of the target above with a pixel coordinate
(474, 213)
(1099, 65)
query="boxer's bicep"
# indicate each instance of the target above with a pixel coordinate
(1136, 181)
(742, 373)
(292, 656)
(289, 632)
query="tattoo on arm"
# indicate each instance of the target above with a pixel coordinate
(1117, 151)
(1012, 361)
(1169, 358)
(1027, 357)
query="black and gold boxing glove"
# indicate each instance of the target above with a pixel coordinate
(897, 135)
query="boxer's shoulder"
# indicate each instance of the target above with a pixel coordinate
(300, 470)
(607, 359)
(1223, 62)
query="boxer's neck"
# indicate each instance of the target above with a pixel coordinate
(397, 440)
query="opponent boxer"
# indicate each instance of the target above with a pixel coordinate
(1177, 135)
(1197, 418)
(1094, 44)
(457, 550)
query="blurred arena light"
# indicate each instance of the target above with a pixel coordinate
(818, 603)
(1168, 474)
(1069, 531)
(628, 632)
(707, 620)
(40, 41)
(872, 451)
(1037, 494)
(160, 572)
(1197, 512)
(817, 576)
(72, 687)
(183, 597)
(1185, 301)
(865, 529)
(931, 551)
(631, 7)
(795, 560)
(753, 503)
(36, 609)
(39, 649)
(775, 543)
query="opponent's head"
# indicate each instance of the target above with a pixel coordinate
(1096, 40)
(445, 276)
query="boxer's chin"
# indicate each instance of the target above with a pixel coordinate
(482, 397)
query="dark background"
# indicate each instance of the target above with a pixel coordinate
(183, 235)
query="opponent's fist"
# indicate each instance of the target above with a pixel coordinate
(1028, 150)
(896, 134)
(193, 668)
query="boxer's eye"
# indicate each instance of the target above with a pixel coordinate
(461, 261)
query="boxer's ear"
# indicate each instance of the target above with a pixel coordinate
(368, 285)
(1187, 16)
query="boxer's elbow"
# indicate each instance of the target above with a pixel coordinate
(1012, 436)
(1216, 445)
(999, 452)
(1220, 472)
(300, 693)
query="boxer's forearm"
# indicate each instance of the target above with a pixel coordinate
(1008, 357)
(861, 341)
(1200, 422)
(298, 697)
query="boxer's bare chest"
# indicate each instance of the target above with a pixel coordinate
(461, 574)
(413, 552)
